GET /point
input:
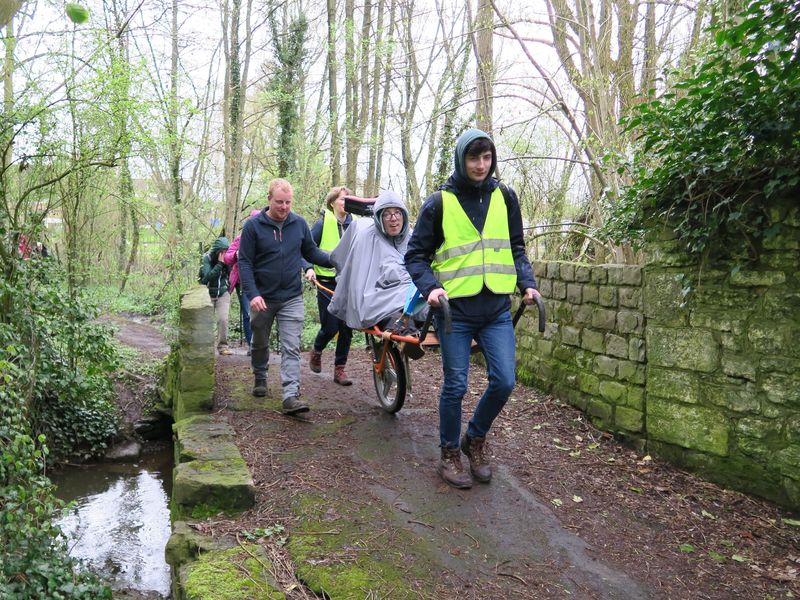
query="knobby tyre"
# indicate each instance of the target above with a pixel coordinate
(390, 384)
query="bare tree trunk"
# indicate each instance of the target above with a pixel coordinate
(8, 88)
(387, 80)
(333, 98)
(174, 134)
(484, 53)
(372, 184)
(350, 102)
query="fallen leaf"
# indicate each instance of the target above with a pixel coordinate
(557, 502)
(792, 522)
(738, 558)
(707, 514)
(577, 499)
(716, 556)
(687, 548)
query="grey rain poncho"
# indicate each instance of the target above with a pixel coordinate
(371, 282)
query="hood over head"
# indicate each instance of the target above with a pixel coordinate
(220, 244)
(462, 143)
(390, 199)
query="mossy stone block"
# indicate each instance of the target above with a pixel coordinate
(662, 297)
(203, 437)
(629, 419)
(608, 296)
(669, 384)
(604, 319)
(746, 278)
(223, 484)
(612, 391)
(688, 426)
(591, 294)
(616, 345)
(738, 398)
(684, 348)
(592, 340)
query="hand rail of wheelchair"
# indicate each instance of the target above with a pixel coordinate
(521, 309)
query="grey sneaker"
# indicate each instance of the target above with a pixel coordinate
(293, 405)
(260, 388)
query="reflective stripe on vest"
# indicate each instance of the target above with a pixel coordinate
(468, 260)
(330, 237)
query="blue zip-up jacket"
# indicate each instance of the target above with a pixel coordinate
(474, 199)
(270, 257)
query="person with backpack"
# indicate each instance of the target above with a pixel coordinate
(232, 260)
(214, 274)
(468, 246)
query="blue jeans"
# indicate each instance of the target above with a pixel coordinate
(244, 307)
(496, 339)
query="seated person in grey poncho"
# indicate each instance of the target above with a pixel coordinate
(372, 282)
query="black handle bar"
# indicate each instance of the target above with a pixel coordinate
(539, 305)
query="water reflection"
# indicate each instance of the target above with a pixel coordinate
(120, 523)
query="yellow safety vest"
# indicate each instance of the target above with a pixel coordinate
(330, 238)
(467, 260)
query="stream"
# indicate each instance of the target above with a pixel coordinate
(119, 524)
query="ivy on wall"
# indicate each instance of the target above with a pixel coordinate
(710, 154)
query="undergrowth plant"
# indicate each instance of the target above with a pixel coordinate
(53, 382)
(712, 153)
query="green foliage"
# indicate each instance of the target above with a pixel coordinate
(65, 360)
(711, 153)
(35, 562)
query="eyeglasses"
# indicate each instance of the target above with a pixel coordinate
(395, 214)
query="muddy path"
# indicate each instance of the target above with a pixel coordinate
(570, 513)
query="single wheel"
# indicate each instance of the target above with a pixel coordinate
(390, 383)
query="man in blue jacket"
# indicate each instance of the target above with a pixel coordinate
(468, 247)
(271, 250)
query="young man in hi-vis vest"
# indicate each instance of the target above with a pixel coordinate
(468, 246)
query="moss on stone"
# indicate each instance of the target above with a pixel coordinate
(341, 557)
(236, 574)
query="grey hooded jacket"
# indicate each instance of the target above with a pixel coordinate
(371, 280)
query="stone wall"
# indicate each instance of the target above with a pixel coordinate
(592, 353)
(189, 380)
(697, 366)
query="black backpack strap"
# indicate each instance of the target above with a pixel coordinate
(438, 209)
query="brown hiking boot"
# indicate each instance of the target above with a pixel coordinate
(315, 361)
(260, 388)
(293, 405)
(452, 471)
(339, 376)
(475, 449)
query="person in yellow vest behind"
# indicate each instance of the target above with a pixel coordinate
(327, 232)
(468, 246)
